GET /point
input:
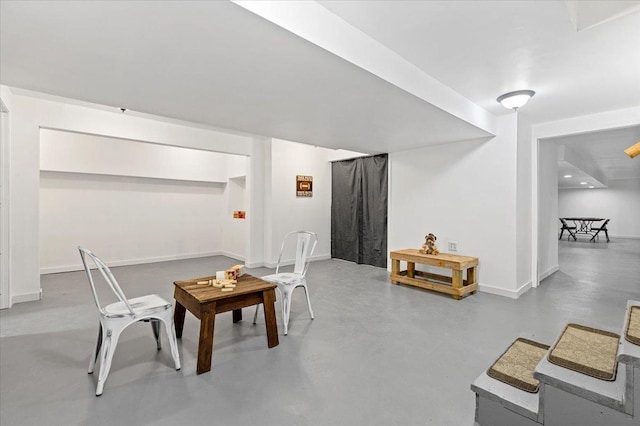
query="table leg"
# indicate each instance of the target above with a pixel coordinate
(178, 318)
(411, 269)
(237, 315)
(268, 301)
(395, 269)
(205, 345)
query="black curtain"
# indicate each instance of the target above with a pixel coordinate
(359, 210)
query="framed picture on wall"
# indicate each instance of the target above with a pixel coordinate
(304, 186)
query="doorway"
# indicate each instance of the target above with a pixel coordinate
(359, 190)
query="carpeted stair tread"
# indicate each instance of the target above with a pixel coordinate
(517, 364)
(587, 350)
(632, 332)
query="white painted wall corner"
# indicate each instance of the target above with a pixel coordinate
(512, 294)
(549, 271)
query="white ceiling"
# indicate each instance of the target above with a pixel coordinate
(213, 63)
(575, 177)
(483, 49)
(606, 150)
(218, 64)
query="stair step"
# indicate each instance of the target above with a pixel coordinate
(629, 353)
(523, 403)
(587, 350)
(516, 365)
(509, 384)
(607, 393)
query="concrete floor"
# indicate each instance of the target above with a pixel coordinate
(376, 354)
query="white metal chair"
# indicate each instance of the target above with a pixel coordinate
(288, 281)
(114, 318)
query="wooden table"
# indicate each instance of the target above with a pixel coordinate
(455, 285)
(206, 301)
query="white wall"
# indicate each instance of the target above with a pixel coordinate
(6, 98)
(343, 154)
(31, 112)
(135, 202)
(62, 151)
(126, 220)
(523, 200)
(548, 209)
(620, 202)
(463, 192)
(291, 213)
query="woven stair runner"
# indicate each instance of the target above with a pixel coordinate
(516, 365)
(587, 350)
(632, 333)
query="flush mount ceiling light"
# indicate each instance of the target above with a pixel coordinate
(591, 186)
(583, 183)
(568, 176)
(514, 100)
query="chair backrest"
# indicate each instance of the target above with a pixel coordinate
(106, 274)
(305, 245)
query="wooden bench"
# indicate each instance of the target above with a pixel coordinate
(455, 285)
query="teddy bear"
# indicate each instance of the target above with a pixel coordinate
(429, 246)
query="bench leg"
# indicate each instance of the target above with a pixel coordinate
(411, 269)
(472, 277)
(456, 282)
(395, 269)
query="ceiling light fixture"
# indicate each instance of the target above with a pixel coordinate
(583, 183)
(591, 186)
(514, 100)
(568, 176)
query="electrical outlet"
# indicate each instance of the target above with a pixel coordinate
(453, 246)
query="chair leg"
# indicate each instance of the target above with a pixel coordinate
(561, 232)
(173, 342)
(106, 356)
(155, 326)
(606, 233)
(286, 310)
(96, 350)
(306, 292)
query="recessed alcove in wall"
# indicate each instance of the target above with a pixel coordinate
(135, 202)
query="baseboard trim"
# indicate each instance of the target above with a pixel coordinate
(628, 237)
(548, 272)
(512, 294)
(79, 267)
(232, 255)
(26, 297)
(285, 262)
